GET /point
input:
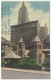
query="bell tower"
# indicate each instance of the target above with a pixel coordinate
(37, 46)
(21, 48)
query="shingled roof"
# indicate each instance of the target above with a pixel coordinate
(12, 55)
(36, 39)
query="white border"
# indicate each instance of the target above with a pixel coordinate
(50, 35)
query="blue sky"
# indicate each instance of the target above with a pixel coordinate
(41, 5)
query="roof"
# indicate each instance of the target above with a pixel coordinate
(46, 49)
(21, 40)
(36, 39)
(12, 55)
(19, 25)
(3, 39)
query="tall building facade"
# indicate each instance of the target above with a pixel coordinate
(47, 42)
(43, 32)
(23, 14)
(26, 30)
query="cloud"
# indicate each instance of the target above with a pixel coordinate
(34, 14)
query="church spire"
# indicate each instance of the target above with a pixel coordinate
(21, 40)
(23, 3)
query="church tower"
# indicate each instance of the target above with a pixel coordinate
(21, 48)
(37, 49)
(23, 14)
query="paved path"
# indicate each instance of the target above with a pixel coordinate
(10, 73)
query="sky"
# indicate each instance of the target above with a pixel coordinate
(37, 10)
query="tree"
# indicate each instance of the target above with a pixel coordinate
(46, 62)
(14, 46)
(31, 54)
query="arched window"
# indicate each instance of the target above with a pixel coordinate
(39, 46)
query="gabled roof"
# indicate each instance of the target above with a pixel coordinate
(36, 39)
(12, 55)
(3, 39)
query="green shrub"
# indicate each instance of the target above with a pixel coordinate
(29, 64)
(47, 62)
(31, 54)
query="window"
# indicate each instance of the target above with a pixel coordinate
(39, 46)
(39, 58)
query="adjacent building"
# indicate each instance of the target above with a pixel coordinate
(43, 32)
(6, 47)
(27, 31)
(47, 42)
